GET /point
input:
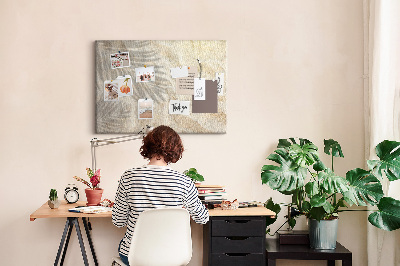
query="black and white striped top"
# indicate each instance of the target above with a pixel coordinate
(150, 187)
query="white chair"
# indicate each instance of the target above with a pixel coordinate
(162, 237)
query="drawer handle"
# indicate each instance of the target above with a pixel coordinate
(236, 237)
(237, 254)
(237, 221)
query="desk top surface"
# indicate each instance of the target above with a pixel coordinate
(62, 212)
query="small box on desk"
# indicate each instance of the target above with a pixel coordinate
(293, 237)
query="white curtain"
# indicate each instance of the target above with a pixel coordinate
(383, 108)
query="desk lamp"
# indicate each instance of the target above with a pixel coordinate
(94, 143)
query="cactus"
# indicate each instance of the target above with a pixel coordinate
(53, 195)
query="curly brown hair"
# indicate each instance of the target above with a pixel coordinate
(162, 141)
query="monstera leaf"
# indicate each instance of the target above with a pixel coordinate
(286, 177)
(334, 147)
(388, 153)
(388, 216)
(331, 183)
(304, 155)
(276, 208)
(363, 188)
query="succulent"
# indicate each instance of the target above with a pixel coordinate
(53, 195)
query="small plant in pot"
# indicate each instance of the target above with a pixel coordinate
(93, 193)
(53, 201)
(194, 175)
(320, 195)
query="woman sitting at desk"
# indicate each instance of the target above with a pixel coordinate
(155, 186)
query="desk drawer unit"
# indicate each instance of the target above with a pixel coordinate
(230, 240)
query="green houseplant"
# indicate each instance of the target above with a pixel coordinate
(319, 194)
(194, 175)
(53, 201)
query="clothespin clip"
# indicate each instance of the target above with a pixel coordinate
(145, 66)
(119, 52)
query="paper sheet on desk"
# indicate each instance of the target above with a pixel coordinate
(91, 209)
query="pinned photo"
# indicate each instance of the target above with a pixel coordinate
(119, 60)
(124, 85)
(145, 109)
(145, 74)
(110, 90)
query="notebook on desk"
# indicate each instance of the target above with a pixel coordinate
(90, 209)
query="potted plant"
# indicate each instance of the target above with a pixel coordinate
(53, 201)
(93, 193)
(320, 195)
(194, 175)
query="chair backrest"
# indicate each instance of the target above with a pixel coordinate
(161, 237)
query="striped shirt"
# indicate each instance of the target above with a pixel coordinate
(151, 187)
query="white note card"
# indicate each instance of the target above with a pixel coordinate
(199, 89)
(179, 72)
(220, 83)
(179, 107)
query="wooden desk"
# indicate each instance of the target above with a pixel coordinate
(304, 252)
(72, 219)
(235, 237)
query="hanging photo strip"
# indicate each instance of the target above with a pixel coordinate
(220, 80)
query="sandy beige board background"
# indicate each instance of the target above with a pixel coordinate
(121, 116)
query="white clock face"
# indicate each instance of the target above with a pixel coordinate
(72, 196)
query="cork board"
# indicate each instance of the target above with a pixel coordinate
(120, 114)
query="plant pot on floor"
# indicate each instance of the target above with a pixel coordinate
(323, 234)
(93, 196)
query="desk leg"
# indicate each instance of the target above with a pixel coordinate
(66, 243)
(67, 226)
(331, 263)
(78, 232)
(90, 241)
(271, 262)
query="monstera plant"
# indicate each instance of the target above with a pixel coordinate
(320, 194)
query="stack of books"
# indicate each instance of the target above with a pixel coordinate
(211, 194)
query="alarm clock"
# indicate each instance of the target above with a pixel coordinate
(71, 194)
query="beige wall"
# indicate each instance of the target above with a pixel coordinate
(308, 83)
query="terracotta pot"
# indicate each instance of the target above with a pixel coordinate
(93, 196)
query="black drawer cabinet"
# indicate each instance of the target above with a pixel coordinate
(234, 241)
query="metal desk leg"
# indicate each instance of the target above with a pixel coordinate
(66, 243)
(271, 262)
(67, 226)
(78, 232)
(90, 241)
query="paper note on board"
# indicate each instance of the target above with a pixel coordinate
(179, 72)
(199, 89)
(185, 86)
(210, 104)
(179, 107)
(220, 80)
